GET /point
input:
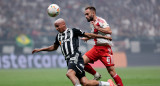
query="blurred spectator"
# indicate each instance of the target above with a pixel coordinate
(127, 18)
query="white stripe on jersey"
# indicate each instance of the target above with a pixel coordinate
(71, 43)
(62, 47)
(66, 47)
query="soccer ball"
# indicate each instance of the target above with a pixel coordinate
(53, 10)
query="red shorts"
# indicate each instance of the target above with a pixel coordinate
(102, 53)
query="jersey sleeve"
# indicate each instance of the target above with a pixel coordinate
(78, 32)
(56, 40)
(103, 24)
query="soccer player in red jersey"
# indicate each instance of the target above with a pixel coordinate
(102, 49)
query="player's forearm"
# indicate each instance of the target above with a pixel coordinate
(45, 49)
(91, 35)
(106, 30)
(88, 38)
(50, 48)
(95, 35)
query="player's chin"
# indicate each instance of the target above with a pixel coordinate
(88, 20)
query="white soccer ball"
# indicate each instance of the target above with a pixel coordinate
(53, 10)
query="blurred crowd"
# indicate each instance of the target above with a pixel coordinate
(127, 18)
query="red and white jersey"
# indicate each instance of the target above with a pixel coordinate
(103, 24)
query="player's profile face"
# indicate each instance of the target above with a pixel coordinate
(59, 27)
(89, 15)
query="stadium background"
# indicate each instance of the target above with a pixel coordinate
(25, 25)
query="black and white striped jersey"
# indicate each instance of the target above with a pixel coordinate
(69, 41)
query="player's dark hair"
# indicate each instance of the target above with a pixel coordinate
(91, 8)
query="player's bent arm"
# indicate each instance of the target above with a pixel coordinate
(50, 48)
(91, 35)
(106, 30)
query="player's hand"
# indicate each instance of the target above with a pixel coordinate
(94, 24)
(85, 39)
(35, 51)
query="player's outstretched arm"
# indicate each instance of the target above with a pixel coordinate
(50, 48)
(85, 39)
(91, 35)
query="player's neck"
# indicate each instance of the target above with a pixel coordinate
(63, 30)
(95, 18)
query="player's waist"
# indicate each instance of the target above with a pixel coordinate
(75, 54)
(102, 44)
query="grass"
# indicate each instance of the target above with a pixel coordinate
(131, 76)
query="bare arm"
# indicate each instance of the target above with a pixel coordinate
(106, 30)
(85, 39)
(50, 48)
(91, 35)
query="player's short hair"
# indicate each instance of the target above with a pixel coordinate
(91, 8)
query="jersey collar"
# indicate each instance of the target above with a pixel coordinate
(65, 30)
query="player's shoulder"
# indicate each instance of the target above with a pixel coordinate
(71, 29)
(76, 29)
(100, 19)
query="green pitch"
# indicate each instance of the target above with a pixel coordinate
(132, 76)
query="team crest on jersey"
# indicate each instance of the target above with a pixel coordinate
(63, 41)
(60, 42)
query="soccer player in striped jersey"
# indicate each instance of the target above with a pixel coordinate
(102, 49)
(68, 40)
